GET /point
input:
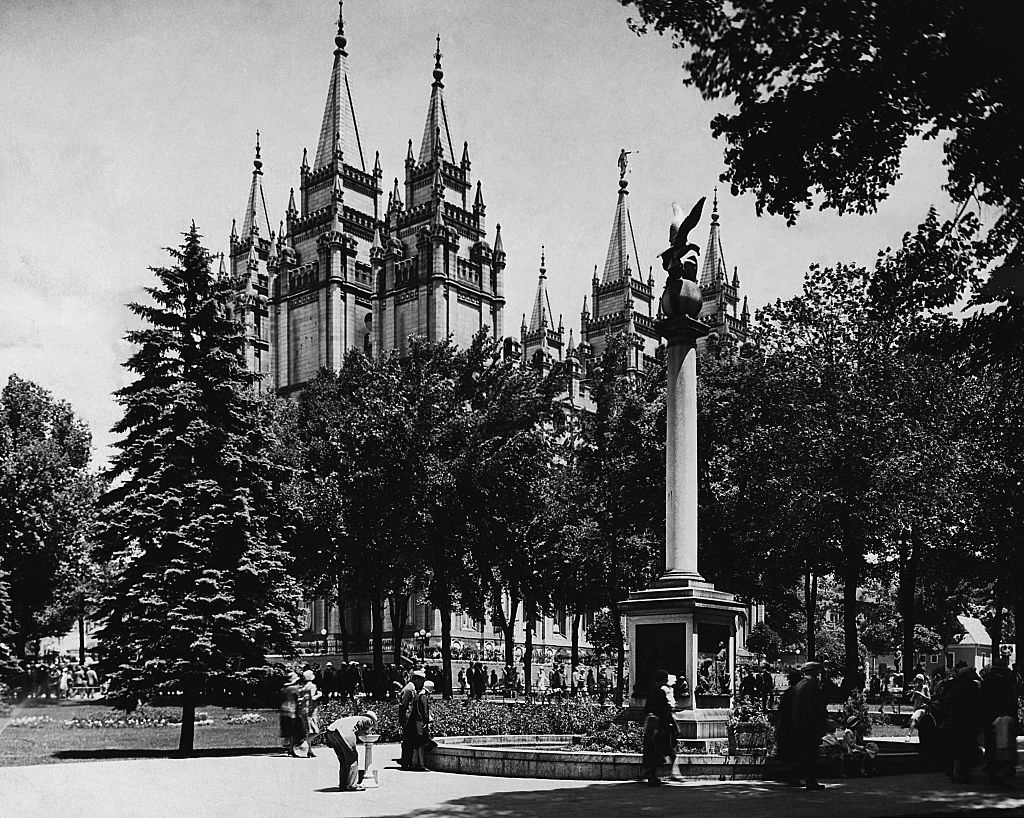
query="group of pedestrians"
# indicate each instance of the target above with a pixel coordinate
(972, 718)
(58, 680)
(555, 683)
(300, 699)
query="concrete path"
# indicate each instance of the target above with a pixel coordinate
(281, 786)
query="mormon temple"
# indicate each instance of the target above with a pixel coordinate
(348, 269)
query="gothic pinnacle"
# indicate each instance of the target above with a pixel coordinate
(409, 157)
(736, 277)
(478, 203)
(438, 144)
(257, 163)
(497, 242)
(234, 231)
(714, 209)
(376, 166)
(543, 270)
(465, 155)
(396, 196)
(291, 202)
(305, 160)
(438, 182)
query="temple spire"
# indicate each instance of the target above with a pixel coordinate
(437, 138)
(255, 203)
(497, 241)
(622, 241)
(339, 111)
(714, 269)
(541, 315)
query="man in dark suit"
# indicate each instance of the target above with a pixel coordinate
(808, 723)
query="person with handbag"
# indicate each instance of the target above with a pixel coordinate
(660, 731)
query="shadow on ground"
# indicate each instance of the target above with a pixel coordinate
(894, 796)
(107, 754)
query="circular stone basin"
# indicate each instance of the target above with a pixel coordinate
(550, 756)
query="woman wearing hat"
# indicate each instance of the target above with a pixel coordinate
(660, 731)
(293, 730)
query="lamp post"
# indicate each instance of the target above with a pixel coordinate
(423, 637)
(323, 633)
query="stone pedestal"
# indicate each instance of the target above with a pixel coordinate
(682, 624)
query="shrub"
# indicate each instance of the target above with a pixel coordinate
(625, 738)
(857, 706)
(483, 718)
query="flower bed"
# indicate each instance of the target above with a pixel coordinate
(139, 719)
(476, 718)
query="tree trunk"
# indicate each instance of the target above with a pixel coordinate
(851, 643)
(620, 647)
(377, 620)
(446, 649)
(341, 624)
(81, 638)
(528, 648)
(810, 611)
(574, 656)
(186, 740)
(398, 607)
(1017, 583)
(509, 631)
(997, 621)
(910, 551)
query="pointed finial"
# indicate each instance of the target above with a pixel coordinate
(396, 196)
(337, 142)
(291, 202)
(377, 244)
(595, 274)
(257, 163)
(524, 322)
(337, 193)
(222, 272)
(438, 73)
(465, 155)
(340, 40)
(585, 310)
(234, 230)
(438, 182)
(561, 326)
(376, 166)
(478, 202)
(543, 272)
(714, 208)
(305, 160)
(736, 277)
(497, 241)
(746, 310)
(572, 343)
(650, 276)
(280, 232)
(438, 144)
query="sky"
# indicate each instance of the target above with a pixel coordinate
(123, 120)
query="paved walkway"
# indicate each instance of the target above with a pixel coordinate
(281, 786)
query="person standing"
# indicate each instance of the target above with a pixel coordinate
(808, 722)
(406, 700)
(660, 731)
(420, 718)
(785, 741)
(309, 700)
(342, 736)
(999, 707)
(462, 681)
(288, 712)
(963, 723)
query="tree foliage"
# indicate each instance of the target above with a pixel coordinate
(827, 95)
(202, 594)
(47, 500)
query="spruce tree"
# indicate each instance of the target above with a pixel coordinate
(202, 594)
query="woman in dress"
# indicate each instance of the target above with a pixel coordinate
(660, 731)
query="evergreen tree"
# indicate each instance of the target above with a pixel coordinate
(202, 594)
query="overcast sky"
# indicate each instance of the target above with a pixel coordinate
(122, 121)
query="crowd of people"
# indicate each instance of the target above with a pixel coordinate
(963, 719)
(58, 680)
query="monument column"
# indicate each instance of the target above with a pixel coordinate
(681, 333)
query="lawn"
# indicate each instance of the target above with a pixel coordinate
(52, 742)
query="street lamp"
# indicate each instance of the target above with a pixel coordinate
(323, 633)
(423, 637)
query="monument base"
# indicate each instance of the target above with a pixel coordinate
(682, 624)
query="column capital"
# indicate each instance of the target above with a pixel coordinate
(681, 329)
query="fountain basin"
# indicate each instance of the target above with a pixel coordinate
(551, 756)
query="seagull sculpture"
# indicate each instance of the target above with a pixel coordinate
(679, 246)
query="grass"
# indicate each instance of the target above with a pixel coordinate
(53, 743)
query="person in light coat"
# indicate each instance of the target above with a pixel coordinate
(342, 736)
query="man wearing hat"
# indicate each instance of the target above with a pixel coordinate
(405, 702)
(808, 723)
(342, 736)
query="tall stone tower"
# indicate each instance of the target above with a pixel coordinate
(436, 275)
(622, 301)
(729, 326)
(345, 273)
